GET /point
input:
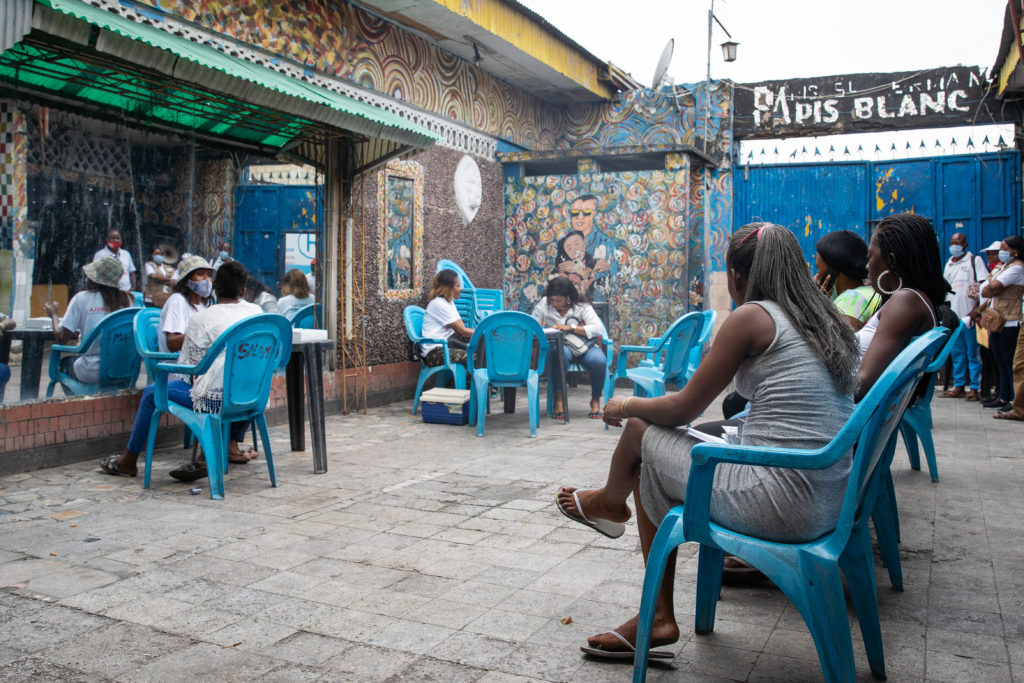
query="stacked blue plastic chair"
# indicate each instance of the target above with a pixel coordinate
(252, 349)
(119, 361)
(474, 303)
(808, 573)
(697, 352)
(508, 339)
(307, 318)
(669, 355)
(917, 421)
(413, 316)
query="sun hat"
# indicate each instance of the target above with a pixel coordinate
(105, 271)
(993, 247)
(190, 263)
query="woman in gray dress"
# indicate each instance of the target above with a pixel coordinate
(795, 355)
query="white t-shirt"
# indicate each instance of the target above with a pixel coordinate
(312, 282)
(84, 313)
(960, 274)
(440, 313)
(203, 330)
(126, 262)
(175, 316)
(163, 270)
(288, 305)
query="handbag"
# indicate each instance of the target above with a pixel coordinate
(992, 320)
(577, 345)
(981, 334)
(974, 289)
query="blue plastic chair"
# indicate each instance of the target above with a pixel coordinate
(252, 349)
(138, 298)
(669, 357)
(917, 420)
(697, 352)
(609, 381)
(307, 318)
(507, 339)
(146, 331)
(474, 303)
(413, 316)
(119, 361)
(808, 573)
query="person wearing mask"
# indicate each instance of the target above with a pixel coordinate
(112, 249)
(311, 276)
(223, 256)
(192, 292)
(159, 279)
(296, 292)
(102, 296)
(964, 271)
(205, 392)
(1003, 292)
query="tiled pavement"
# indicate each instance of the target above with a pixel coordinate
(427, 553)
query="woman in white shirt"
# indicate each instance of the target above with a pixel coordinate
(561, 309)
(1003, 293)
(442, 321)
(296, 292)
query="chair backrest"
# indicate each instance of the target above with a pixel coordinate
(445, 264)
(252, 348)
(940, 359)
(413, 317)
(876, 417)
(119, 359)
(307, 317)
(138, 298)
(508, 338)
(676, 344)
(146, 333)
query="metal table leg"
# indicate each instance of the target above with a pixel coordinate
(293, 390)
(315, 394)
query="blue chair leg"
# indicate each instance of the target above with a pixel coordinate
(209, 437)
(480, 392)
(154, 422)
(261, 423)
(709, 585)
(823, 606)
(419, 390)
(910, 443)
(858, 567)
(225, 439)
(670, 535)
(533, 396)
(918, 422)
(886, 529)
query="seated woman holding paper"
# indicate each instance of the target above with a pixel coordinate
(795, 355)
(561, 309)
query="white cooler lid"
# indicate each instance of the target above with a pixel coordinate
(439, 395)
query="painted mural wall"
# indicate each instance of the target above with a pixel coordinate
(639, 226)
(346, 42)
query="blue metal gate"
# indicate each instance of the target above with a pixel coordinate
(978, 195)
(263, 214)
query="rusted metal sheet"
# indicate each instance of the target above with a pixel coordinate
(853, 103)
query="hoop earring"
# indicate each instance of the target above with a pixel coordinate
(882, 289)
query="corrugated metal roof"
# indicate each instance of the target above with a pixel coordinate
(206, 66)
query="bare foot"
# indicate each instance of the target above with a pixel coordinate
(594, 507)
(663, 632)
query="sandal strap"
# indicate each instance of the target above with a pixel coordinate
(621, 638)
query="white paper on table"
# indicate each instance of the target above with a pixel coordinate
(702, 436)
(549, 330)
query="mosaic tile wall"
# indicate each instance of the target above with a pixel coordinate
(14, 232)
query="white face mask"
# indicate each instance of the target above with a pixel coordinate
(203, 288)
(158, 259)
(1004, 256)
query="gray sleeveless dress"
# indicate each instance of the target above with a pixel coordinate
(794, 404)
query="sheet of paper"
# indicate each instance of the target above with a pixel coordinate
(701, 436)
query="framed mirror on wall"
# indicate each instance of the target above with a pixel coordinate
(400, 206)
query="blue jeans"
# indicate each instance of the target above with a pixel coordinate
(593, 361)
(177, 391)
(1003, 345)
(966, 360)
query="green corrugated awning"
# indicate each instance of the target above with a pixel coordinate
(151, 75)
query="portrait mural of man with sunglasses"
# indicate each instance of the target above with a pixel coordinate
(600, 247)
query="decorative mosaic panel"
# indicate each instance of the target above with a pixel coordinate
(400, 207)
(643, 215)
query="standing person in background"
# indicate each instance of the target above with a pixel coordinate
(296, 293)
(989, 370)
(311, 277)
(1003, 293)
(963, 272)
(112, 249)
(159, 279)
(223, 256)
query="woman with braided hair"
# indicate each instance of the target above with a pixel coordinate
(790, 350)
(904, 266)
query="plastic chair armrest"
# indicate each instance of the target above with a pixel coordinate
(711, 454)
(176, 369)
(67, 348)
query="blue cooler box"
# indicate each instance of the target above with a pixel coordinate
(445, 406)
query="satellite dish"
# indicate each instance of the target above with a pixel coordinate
(662, 68)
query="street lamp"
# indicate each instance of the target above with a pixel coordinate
(728, 54)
